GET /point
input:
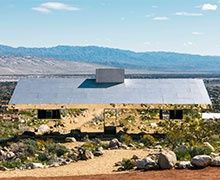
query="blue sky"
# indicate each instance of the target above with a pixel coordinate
(190, 26)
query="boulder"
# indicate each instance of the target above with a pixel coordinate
(183, 165)
(86, 154)
(36, 165)
(216, 161)
(43, 129)
(10, 155)
(114, 144)
(70, 139)
(201, 161)
(2, 154)
(167, 159)
(146, 164)
(99, 151)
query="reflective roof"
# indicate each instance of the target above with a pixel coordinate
(132, 91)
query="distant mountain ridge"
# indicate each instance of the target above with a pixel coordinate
(152, 61)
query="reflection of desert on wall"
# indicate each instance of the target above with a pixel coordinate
(94, 119)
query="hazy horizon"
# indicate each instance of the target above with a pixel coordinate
(100, 46)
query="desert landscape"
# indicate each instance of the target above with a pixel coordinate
(107, 89)
(105, 162)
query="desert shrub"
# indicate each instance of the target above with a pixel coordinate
(182, 154)
(9, 128)
(127, 164)
(11, 164)
(93, 145)
(148, 140)
(189, 131)
(126, 139)
(31, 147)
(129, 120)
(43, 157)
(57, 149)
(200, 150)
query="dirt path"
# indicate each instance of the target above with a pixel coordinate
(99, 165)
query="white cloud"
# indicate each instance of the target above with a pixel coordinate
(189, 43)
(197, 33)
(49, 6)
(41, 9)
(188, 14)
(161, 18)
(209, 7)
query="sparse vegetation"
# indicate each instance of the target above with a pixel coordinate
(127, 164)
(148, 140)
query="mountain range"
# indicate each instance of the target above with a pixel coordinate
(147, 61)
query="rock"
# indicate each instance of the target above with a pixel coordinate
(37, 165)
(118, 163)
(158, 147)
(153, 125)
(214, 154)
(99, 151)
(183, 165)
(140, 164)
(2, 155)
(2, 168)
(87, 155)
(10, 155)
(135, 157)
(201, 161)
(70, 139)
(34, 165)
(216, 161)
(114, 144)
(43, 129)
(167, 159)
(131, 145)
(124, 146)
(55, 165)
(146, 164)
(141, 145)
(208, 145)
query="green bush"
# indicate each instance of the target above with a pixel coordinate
(182, 155)
(126, 139)
(11, 164)
(148, 140)
(57, 149)
(43, 157)
(93, 145)
(127, 164)
(200, 150)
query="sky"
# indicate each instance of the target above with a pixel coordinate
(189, 26)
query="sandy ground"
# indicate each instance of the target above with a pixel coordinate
(99, 165)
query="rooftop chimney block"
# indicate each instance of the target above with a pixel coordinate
(110, 75)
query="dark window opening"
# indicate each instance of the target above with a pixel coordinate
(176, 114)
(161, 114)
(49, 114)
